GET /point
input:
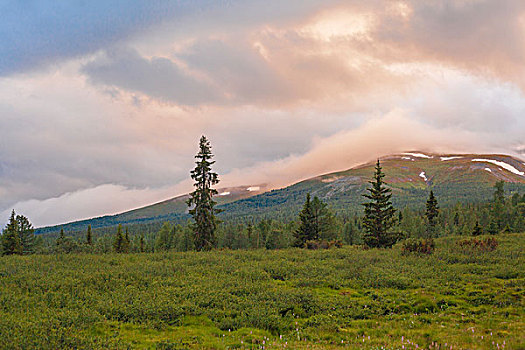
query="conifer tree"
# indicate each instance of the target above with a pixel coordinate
(11, 243)
(306, 230)
(431, 214)
(89, 238)
(61, 238)
(203, 211)
(126, 244)
(498, 205)
(119, 240)
(379, 213)
(142, 247)
(164, 241)
(27, 234)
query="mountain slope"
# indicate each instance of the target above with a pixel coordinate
(453, 178)
(466, 178)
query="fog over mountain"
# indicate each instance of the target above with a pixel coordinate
(102, 106)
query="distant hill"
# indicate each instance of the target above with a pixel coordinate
(452, 177)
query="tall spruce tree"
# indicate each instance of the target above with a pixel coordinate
(431, 214)
(201, 200)
(379, 213)
(89, 236)
(11, 243)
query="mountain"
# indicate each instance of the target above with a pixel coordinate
(411, 175)
(173, 209)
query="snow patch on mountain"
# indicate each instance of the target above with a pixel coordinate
(488, 169)
(423, 176)
(224, 194)
(449, 158)
(503, 165)
(253, 188)
(418, 155)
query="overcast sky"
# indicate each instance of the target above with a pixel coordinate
(102, 103)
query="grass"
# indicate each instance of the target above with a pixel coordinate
(349, 297)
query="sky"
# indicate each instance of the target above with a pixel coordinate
(102, 103)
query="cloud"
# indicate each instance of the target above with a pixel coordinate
(113, 98)
(158, 77)
(87, 203)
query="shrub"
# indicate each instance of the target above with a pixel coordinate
(419, 246)
(315, 245)
(484, 244)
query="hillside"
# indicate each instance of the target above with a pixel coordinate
(465, 178)
(453, 178)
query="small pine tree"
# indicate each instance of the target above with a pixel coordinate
(89, 238)
(349, 233)
(142, 247)
(11, 243)
(379, 213)
(126, 244)
(61, 238)
(431, 214)
(119, 240)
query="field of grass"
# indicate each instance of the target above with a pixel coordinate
(457, 298)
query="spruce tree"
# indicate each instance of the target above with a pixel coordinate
(201, 200)
(126, 244)
(61, 238)
(164, 241)
(498, 205)
(142, 247)
(27, 234)
(431, 214)
(379, 213)
(119, 240)
(11, 243)
(306, 230)
(89, 238)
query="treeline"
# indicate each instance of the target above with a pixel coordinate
(502, 214)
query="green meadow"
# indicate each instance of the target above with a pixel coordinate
(459, 297)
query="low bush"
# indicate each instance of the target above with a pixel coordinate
(483, 244)
(419, 246)
(315, 245)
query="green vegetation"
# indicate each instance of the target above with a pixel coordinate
(379, 213)
(201, 200)
(18, 236)
(462, 295)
